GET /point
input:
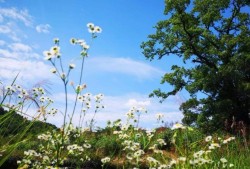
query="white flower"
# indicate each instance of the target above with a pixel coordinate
(84, 46)
(55, 50)
(182, 159)
(24, 92)
(87, 145)
(72, 66)
(172, 162)
(208, 138)
(178, 126)
(53, 70)
(129, 156)
(105, 160)
(223, 160)
(198, 154)
(63, 76)
(73, 41)
(56, 40)
(130, 115)
(90, 25)
(8, 88)
(152, 160)
(161, 142)
(97, 29)
(91, 30)
(48, 55)
(228, 140)
(213, 146)
(138, 153)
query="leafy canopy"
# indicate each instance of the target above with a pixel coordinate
(215, 37)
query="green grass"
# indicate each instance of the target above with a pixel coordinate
(104, 143)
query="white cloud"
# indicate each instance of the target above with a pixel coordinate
(29, 70)
(11, 30)
(1, 18)
(4, 29)
(20, 58)
(6, 53)
(117, 106)
(10, 21)
(135, 103)
(43, 28)
(20, 47)
(18, 51)
(126, 66)
(2, 43)
(18, 15)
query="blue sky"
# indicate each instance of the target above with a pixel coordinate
(115, 67)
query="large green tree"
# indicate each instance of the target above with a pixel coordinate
(214, 36)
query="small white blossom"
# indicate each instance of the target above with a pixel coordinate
(72, 66)
(178, 126)
(56, 40)
(208, 138)
(105, 160)
(48, 55)
(53, 70)
(98, 29)
(223, 160)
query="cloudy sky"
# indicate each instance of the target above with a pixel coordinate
(115, 67)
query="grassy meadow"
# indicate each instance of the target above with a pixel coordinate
(30, 142)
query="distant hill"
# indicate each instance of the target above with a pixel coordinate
(13, 123)
(11, 126)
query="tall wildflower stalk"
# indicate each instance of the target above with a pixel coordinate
(54, 56)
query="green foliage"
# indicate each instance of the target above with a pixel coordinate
(108, 145)
(215, 37)
(13, 123)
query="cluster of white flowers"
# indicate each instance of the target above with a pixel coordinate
(45, 99)
(45, 137)
(75, 149)
(52, 111)
(93, 29)
(155, 164)
(161, 142)
(87, 98)
(150, 134)
(45, 156)
(202, 158)
(54, 52)
(82, 43)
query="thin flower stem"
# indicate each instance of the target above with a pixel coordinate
(65, 115)
(80, 81)
(61, 64)
(81, 74)
(66, 103)
(138, 120)
(92, 121)
(77, 94)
